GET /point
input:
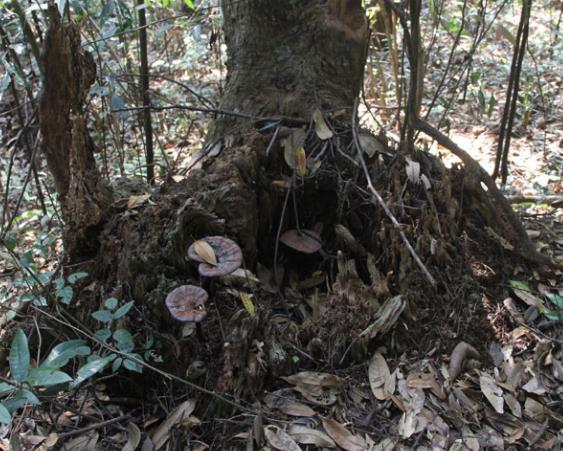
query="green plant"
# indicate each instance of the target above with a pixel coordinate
(27, 382)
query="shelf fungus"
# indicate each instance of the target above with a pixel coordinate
(217, 256)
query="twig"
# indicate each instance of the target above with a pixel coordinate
(100, 425)
(381, 202)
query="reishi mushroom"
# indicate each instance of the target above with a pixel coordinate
(306, 241)
(187, 303)
(227, 253)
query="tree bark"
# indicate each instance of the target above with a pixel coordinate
(84, 199)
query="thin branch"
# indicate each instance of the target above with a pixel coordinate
(382, 203)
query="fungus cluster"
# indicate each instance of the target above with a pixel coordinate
(217, 256)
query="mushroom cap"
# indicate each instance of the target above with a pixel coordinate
(227, 252)
(187, 303)
(306, 241)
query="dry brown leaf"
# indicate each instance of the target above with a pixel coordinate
(492, 392)
(133, 437)
(379, 374)
(513, 405)
(385, 445)
(344, 438)
(321, 127)
(86, 442)
(137, 201)
(204, 250)
(371, 145)
(280, 439)
(529, 299)
(314, 378)
(161, 434)
(535, 386)
(308, 436)
(470, 439)
(296, 409)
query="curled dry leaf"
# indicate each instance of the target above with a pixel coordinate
(379, 376)
(308, 436)
(246, 299)
(280, 440)
(344, 438)
(413, 170)
(492, 392)
(461, 352)
(133, 437)
(321, 128)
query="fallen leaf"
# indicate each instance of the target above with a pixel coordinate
(492, 392)
(204, 250)
(321, 128)
(413, 170)
(300, 159)
(370, 144)
(280, 439)
(296, 409)
(133, 437)
(137, 201)
(378, 374)
(344, 438)
(85, 442)
(314, 378)
(247, 303)
(308, 436)
(161, 434)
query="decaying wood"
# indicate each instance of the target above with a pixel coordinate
(68, 74)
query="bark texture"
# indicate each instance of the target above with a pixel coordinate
(69, 150)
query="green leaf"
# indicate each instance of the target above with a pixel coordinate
(555, 299)
(111, 303)
(519, 285)
(124, 339)
(123, 310)
(116, 364)
(189, 4)
(91, 368)
(133, 366)
(5, 417)
(554, 316)
(10, 242)
(6, 388)
(19, 357)
(63, 352)
(102, 335)
(65, 294)
(76, 276)
(59, 283)
(20, 399)
(103, 316)
(45, 377)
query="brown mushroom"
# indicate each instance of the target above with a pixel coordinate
(306, 241)
(187, 303)
(227, 253)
